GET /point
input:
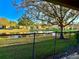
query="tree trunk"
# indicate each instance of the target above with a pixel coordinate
(61, 33)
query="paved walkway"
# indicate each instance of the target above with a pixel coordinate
(73, 56)
(70, 53)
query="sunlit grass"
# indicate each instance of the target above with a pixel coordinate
(6, 31)
(7, 41)
(42, 49)
(21, 48)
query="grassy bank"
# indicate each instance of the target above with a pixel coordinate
(42, 49)
(13, 31)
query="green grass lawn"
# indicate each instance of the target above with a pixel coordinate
(42, 49)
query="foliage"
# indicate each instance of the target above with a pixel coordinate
(24, 21)
(4, 21)
(53, 14)
(58, 14)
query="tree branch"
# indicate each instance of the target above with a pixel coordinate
(72, 20)
(54, 9)
(66, 13)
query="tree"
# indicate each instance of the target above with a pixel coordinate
(13, 24)
(4, 21)
(56, 14)
(24, 21)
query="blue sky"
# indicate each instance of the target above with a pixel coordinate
(7, 10)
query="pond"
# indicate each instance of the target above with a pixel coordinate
(15, 36)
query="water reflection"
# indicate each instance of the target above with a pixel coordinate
(15, 36)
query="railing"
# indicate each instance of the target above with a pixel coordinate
(35, 45)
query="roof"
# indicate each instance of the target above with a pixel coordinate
(67, 3)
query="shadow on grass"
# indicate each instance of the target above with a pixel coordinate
(42, 49)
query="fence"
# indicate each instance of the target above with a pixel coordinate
(35, 45)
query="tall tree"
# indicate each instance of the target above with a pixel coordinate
(25, 21)
(61, 16)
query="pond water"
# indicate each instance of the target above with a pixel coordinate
(14, 36)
